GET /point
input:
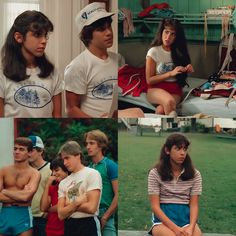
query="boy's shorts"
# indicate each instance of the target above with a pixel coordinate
(177, 213)
(89, 226)
(15, 220)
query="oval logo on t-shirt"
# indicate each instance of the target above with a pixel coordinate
(104, 90)
(32, 96)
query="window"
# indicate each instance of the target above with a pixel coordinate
(10, 10)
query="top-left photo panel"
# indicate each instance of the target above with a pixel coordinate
(58, 58)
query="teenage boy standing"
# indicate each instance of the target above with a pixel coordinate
(96, 143)
(79, 194)
(90, 78)
(37, 161)
(18, 184)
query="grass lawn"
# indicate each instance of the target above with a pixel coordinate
(215, 158)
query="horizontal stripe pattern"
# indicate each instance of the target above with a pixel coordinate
(174, 191)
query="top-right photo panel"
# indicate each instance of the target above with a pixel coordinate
(177, 58)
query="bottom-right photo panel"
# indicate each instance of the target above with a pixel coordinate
(177, 176)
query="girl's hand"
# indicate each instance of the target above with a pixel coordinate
(50, 180)
(189, 68)
(189, 229)
(181, 232)
(177, 70)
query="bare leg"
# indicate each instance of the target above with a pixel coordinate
(160, 110)
(131, 113)
(197, 231)
(27, 233)
(162, 97)
(162, 230)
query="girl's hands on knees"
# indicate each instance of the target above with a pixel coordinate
(181, 232)
(189, 229)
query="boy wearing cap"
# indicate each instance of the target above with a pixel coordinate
(96, 143)
(18, 183)
(79, 194)
(90, 77)
(37, 161)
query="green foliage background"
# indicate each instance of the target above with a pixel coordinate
(55, 132)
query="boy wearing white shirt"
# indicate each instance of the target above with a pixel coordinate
(90, 77)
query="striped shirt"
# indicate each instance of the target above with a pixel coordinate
(174, 191)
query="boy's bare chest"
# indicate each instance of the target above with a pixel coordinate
(17, 179)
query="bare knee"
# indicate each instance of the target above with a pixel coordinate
(197, 231)
(160, 110)
(169, 105)
(162, 230)
(170, 102)
(131, 113)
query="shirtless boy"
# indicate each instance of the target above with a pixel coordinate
(18, 183)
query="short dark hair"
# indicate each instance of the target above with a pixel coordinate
(26, 142)
(58, 162)
(86, 34)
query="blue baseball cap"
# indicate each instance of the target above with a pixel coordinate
(37, 141)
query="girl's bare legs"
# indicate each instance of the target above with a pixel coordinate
(197, 231)
(162, 230)
(163, 98)
(131, 113)
(160, 110)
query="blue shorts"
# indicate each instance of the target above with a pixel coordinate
(15, 219)
(177, 213)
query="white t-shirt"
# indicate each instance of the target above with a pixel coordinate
(31, 97)
(80, 182)
(93, 79)
(164, 62)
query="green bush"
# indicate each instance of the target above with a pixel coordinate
(55, 132)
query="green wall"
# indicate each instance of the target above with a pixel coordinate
(180, 6)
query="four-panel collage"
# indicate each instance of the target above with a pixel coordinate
(117, 118)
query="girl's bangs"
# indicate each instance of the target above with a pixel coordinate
(40, 28)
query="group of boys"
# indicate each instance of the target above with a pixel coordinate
(87, 198)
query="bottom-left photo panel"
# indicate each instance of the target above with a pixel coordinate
(58, 177)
